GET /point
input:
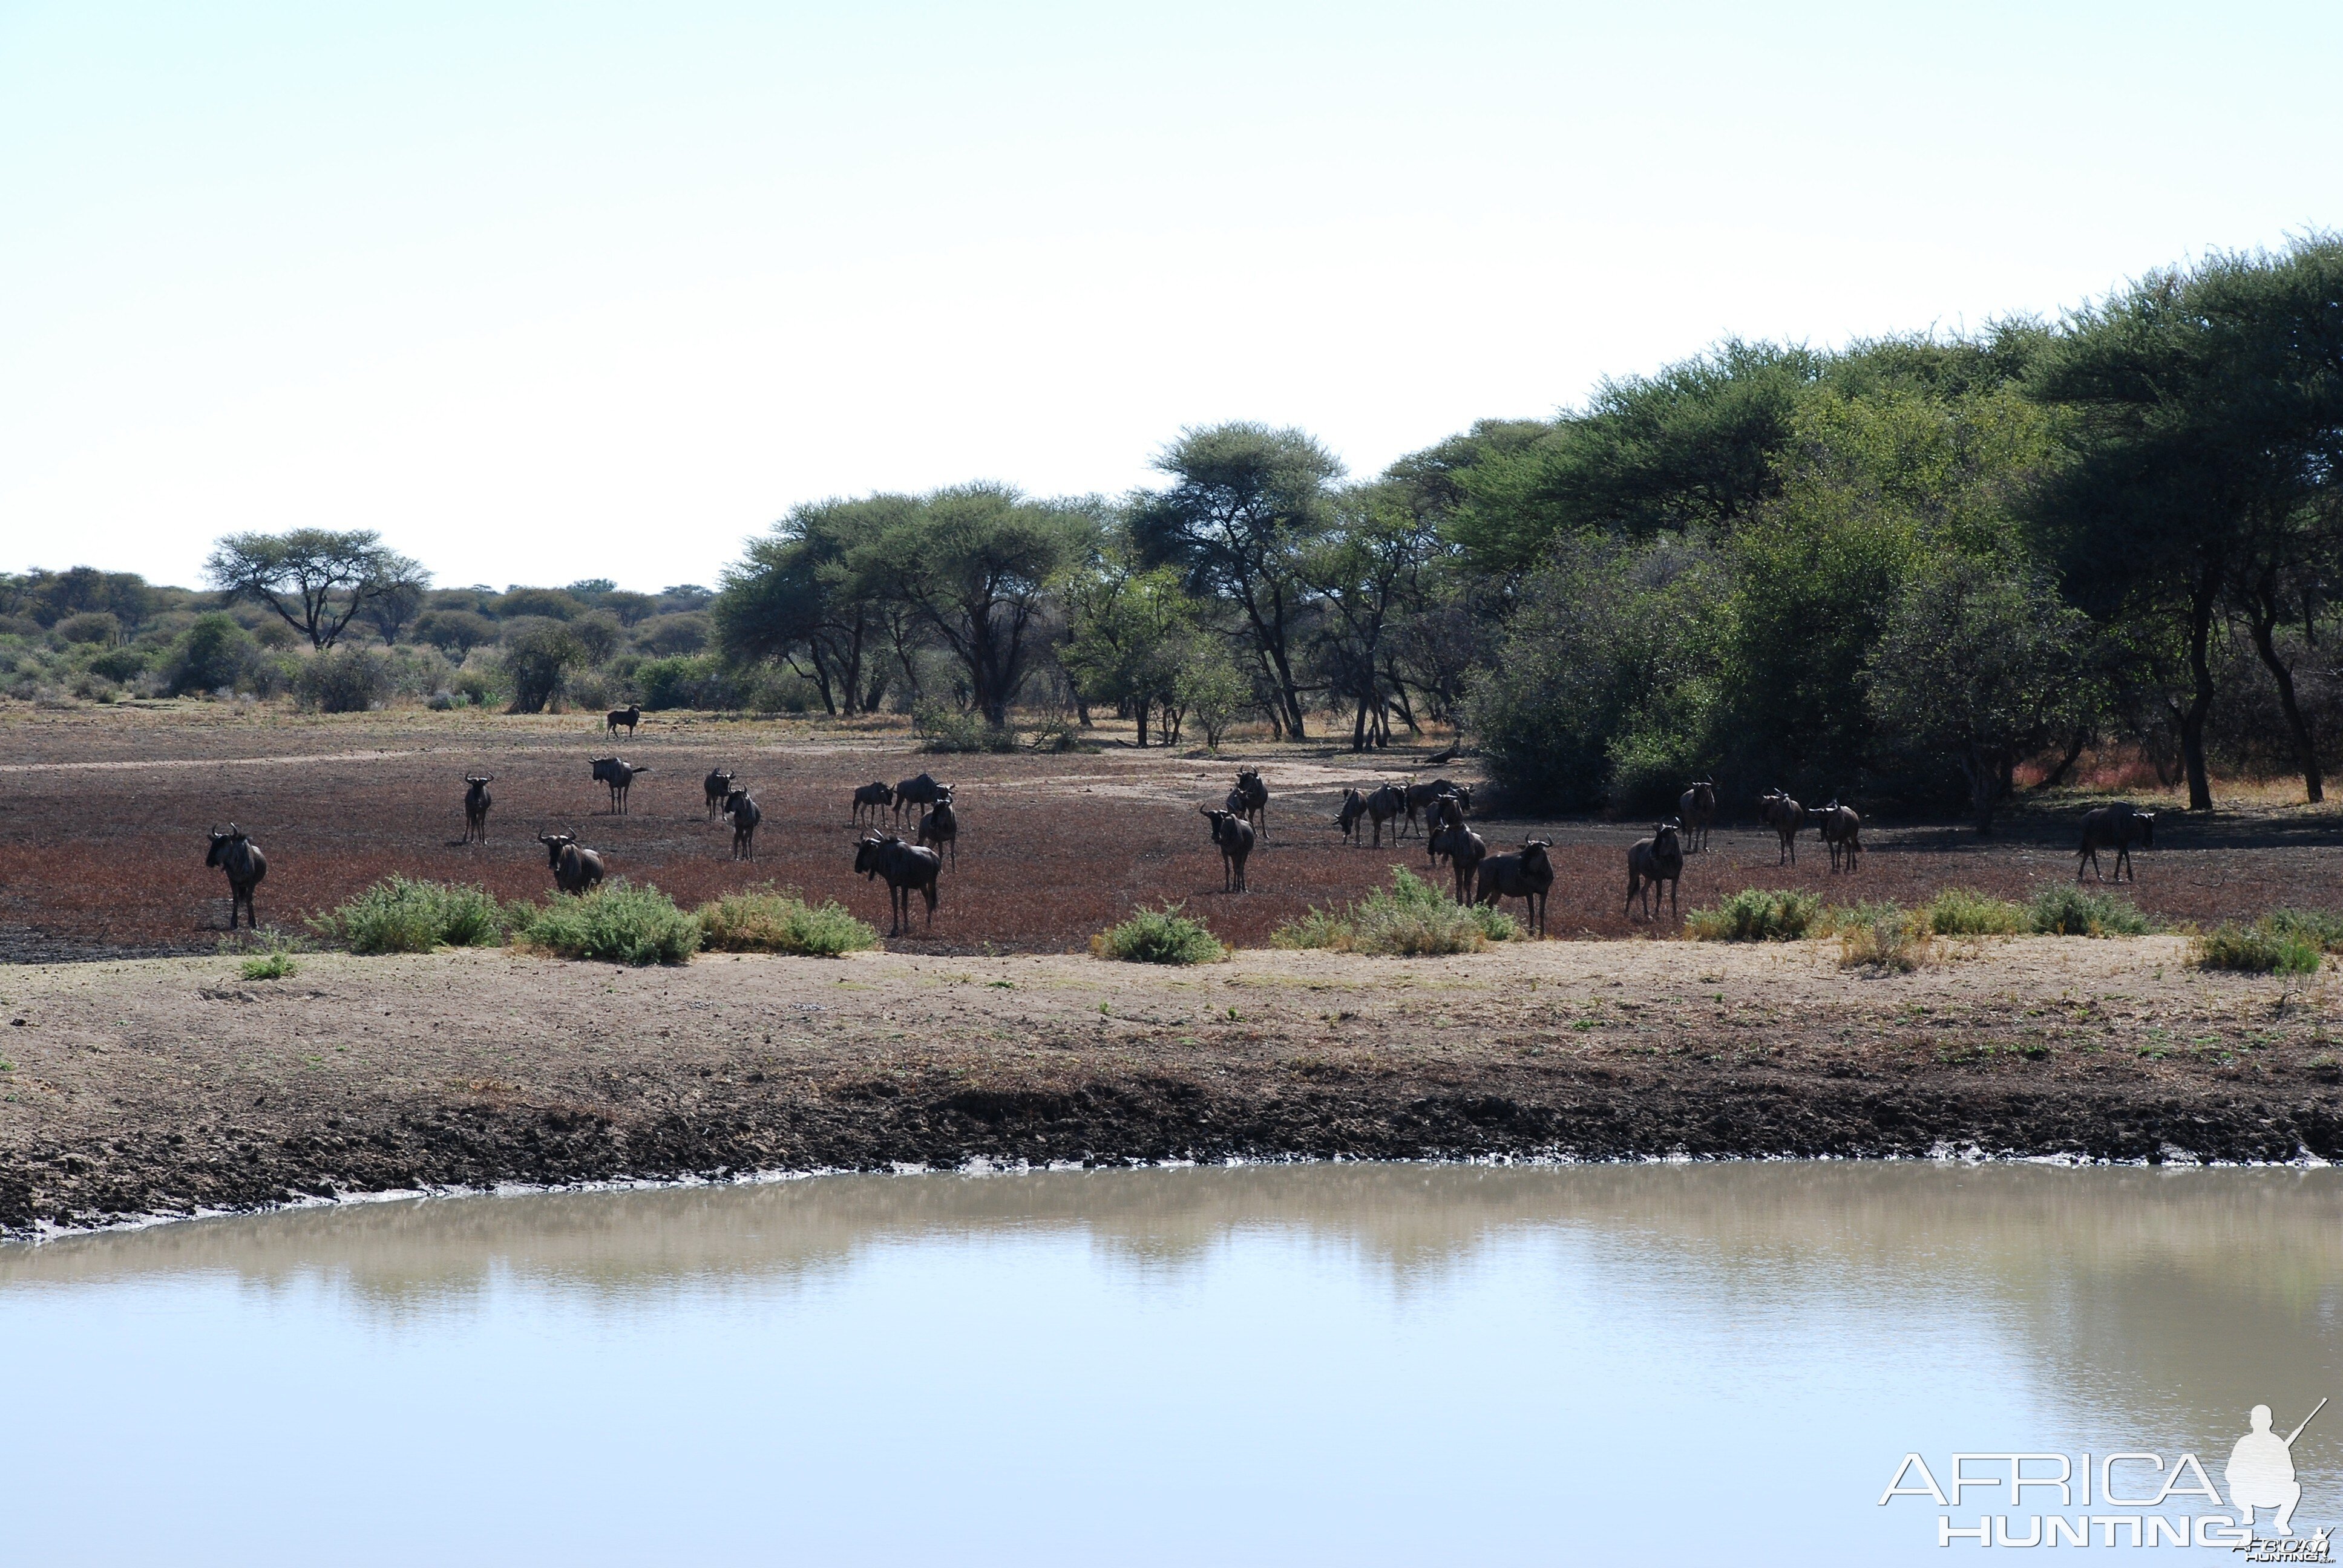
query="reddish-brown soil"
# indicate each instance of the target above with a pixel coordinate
(102, 842)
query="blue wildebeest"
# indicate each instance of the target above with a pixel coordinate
(630, 715)
(575, 869)
(941, 826)
(718, 787)
(1253, 796)
(1652, 861)
(873, 797)
(476, 807)
(1788, 819)
(2117, 827)
(1526, 876)
(1465, 852)
(1696, 808)
(1353, 812)
(912, 792)
(241, 859)
(745, 817)
(906, 867)
(1841, 830)
(621, 777)
(1233, 834)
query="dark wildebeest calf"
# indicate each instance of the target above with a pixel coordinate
(905, 867)
(1788, 819)
(1696, 808)
(914, 792)
(630, 715)
(575, 869)
(718, 787)
(1526, 876)
(1255, 795)
(1465, 852)
(476, 807)
(2117, 827)
(1841, 829)
(1353, 812)
(1652, 861)
(241, 859)
(941, 826)
(621, 777)
(745, 817)
(873, 798)
(1233, 834)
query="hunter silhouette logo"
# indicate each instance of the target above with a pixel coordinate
(2260, 1471)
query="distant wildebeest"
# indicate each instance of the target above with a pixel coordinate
(873, 798)
(1652, 861)
(621, 777)
(745, 817)
(1233, 834)
(1696, 808)
(718, 786)
(1788, 819)
(941, 826)
(906, 867)
(1465, 852)
(1383, 803)
(476, 807)
(1441, 758)
(1353, 812)
(1841, 829)
(241, 859)
(915, 792)
(630, 715)
(1419, 795)
(1526, 876)
(1255, 795)
(2117, 827)
(575, 869)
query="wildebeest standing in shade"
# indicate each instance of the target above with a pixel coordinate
(1526, 876)
(915, 792)
(1255, 795)
(718, 787)
(236, 854)
(630, 715)
(1652, 861)
(941, 826)
(1233, 834)
(873, 798)
(2117, 827)
(1353, 812)
(1385, 802)
(575, 869)
(745, 817)
(1696, 808)
(905, 867)
(621, 777)
(1842, 830)
(1465, 852)
(1788, 819)
(1419, 795)
(476, 807)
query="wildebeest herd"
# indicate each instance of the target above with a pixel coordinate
(1436, 813)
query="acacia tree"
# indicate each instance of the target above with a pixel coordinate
(1245, 501)
(1129, 633)
(316, 579)
(809, 590)
(1369, 571)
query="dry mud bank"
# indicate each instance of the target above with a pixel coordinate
(165, 1085)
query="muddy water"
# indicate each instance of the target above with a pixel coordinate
(1350, 1364)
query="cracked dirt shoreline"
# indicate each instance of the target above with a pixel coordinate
(167, 1085)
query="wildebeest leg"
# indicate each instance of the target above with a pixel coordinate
(927, 890)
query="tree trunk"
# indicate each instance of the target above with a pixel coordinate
(2057, 776)
(2200, 700)
(1984, 780)
(1359, 728)
(2263, 620)
(1141, 706)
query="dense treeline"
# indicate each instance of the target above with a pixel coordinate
(1904, 571)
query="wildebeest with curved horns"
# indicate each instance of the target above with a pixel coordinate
(873, 797)
(1842, 830)
(1788, 819)
(1652, 861)
(630, 715)
(476, 807)
(1384, 803)
(1419, 795)
(941, 826)
(1353, 812)
(575, 867)
(1696, 808)
(241, 859)
(920, 792)
(1465, 852)
(745, 817)
(906, 867)
(2117, 827)
(718, 787)
(1527, 876)
(621, 777)
(1254, 796)
(1233, 834)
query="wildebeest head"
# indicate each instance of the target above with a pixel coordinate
(554, 844)
(1535, 850)
(944, 794)
(2142, 827)
(1666, 836)
(221, 843)
(868, 853)
(1224, 823)
(476, 779)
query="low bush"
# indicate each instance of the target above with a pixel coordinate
(1758, 915)
(2322, 927)
(2257, 949)
(2064, 910)
(942, 728)
(1883, 937)
(342, 680)
(615, 923)
(1963, 912)
(768, 920)
(400, 915)
(1411, 918)
(1163, 936)
(277, 964)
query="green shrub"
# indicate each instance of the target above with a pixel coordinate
(342, 680)
(1411, 918)
(941, 729)
(1963, 912)
(693, 681)
(615, 923)
(1883, 937)
(215, 653)
(2257, 949)
(400, 915)
(1163, 936)
(2321, 928)
(2064, 910)
(765, 920)
(277, 964)
(1758, 915)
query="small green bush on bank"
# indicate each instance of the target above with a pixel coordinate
(1163, 936)
(1758, 915)
(400, 915)
(1411, 918)
(615, 923)
(2064, 909)
(766, 921)
(1963, 912)
(2264, 947)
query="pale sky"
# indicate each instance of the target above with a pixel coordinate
(552, 291)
